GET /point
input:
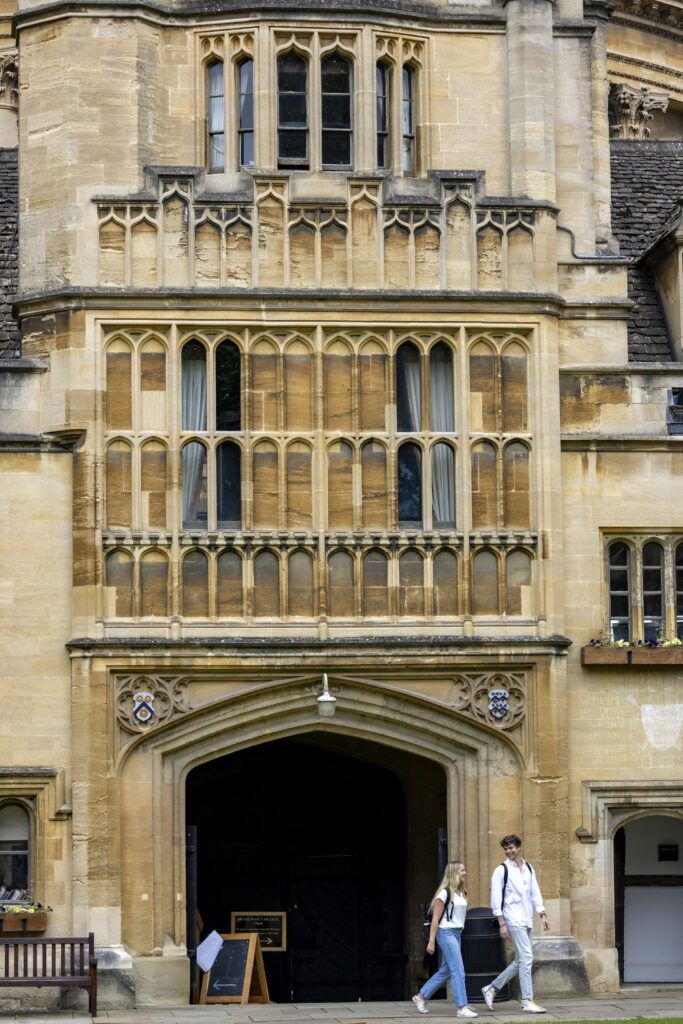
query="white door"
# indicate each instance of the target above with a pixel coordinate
(653, 933)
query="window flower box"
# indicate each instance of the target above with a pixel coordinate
(643, 656)
(18, 922)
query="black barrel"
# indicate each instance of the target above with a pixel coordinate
(483, 953)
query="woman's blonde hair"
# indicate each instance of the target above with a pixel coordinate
(452, 879)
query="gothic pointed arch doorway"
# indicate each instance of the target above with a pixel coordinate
(343, 836)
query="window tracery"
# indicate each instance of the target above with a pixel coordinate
(358, 478)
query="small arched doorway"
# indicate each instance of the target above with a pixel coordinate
(648, 875)
(341, 834)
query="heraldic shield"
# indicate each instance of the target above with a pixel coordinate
(143, 706)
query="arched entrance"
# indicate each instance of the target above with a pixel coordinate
(341, 834)
(648, 899)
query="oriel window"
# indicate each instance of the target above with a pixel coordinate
(408, 120)
(383, 90)
(292, 83)
(336, 111)
(245, 113)
(216, 117)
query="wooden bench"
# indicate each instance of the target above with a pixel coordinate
(58, 963)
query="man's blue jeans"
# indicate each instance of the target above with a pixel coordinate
(521, 940)
(448, 941)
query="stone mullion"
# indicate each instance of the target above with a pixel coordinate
(465, 476)
(319, 476)
(175, 466)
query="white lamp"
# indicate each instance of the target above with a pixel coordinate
(326, 702)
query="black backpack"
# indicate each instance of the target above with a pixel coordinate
(447, 911)
(505, 881)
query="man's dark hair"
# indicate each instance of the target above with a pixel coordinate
(506, 840)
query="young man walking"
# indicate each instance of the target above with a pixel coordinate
(514, 897)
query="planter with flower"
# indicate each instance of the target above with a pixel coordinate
(18, 913)
(648, 654)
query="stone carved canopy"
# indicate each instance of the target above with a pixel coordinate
(9, 78)
(630, 110)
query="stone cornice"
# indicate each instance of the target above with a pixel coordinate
(621, 444)
(175, 300)
(337, 648)
(302, 10)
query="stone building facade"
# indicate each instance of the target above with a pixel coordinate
(346, 344)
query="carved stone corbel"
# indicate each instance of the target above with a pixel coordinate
(630, 109)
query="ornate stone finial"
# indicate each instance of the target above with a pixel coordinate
(9, 78)
(630, 109)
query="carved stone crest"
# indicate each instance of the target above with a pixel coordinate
(143, 706)
(146, 701)
(498, 703)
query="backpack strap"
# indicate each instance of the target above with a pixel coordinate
(449, 903)
(505, 880)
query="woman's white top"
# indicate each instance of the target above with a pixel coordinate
(454, 914)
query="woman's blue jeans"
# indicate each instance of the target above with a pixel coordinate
(448, 941)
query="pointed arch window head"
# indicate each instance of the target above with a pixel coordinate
(653, 591)
(292, 84)
(443, 485)
(14, 846)
(408, 389)
(383, 101)
(408, 119)
(619, 596)
(194, 386)
(215, 90)
(194, 485)
(337, 129)
(409, 467)
(245, 112)
(441, 407)
(228, 386)
(229, 484)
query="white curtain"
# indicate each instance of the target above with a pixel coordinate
(443, 485)
(409, 394)
(194, 387)
(441, 416)
(194, 418)
(194, 463)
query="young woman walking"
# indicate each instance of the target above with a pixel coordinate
(448, 908)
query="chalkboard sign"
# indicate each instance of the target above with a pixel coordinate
(237, 974)
(270, 926)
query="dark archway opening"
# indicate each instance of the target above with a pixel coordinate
(342, 835)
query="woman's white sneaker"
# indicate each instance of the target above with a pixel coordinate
(529, 1006)
(489, 993)
(464, 1011)
(421, 1003)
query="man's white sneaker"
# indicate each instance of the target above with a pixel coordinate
(529, 1006)
(489, 993)
(464, 1011)
(421, 1003)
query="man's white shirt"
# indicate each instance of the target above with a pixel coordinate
(522, 895)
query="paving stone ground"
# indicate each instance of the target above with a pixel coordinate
(655, 1004)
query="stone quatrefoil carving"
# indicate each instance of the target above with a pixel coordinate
(146, 701)
(143, 702)
(497, 698)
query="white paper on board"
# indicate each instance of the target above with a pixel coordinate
(208, 950)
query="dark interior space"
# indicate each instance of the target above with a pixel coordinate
(292, 825)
